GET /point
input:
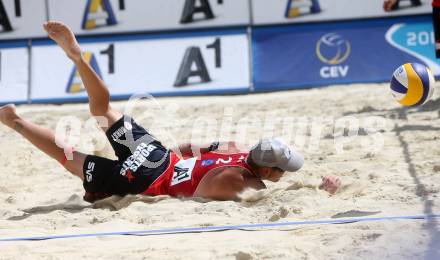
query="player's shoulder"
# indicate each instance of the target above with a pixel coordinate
(232, 147)
(222, 184)
(239, 178)
(231, 171)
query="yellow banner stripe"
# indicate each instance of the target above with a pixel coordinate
(95, 5)
(93, 8)
(87, 56)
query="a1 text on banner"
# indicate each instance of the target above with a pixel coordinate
(177, 64)
(20, 19)
(110, 16)
(300, 11)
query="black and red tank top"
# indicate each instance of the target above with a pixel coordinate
(182, 176)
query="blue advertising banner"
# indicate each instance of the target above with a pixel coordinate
(266, 12)
(208, 62)
(337, 53)
(14, 72)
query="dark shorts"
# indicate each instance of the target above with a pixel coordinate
(141, 160)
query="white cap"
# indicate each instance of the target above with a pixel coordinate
(275, 153)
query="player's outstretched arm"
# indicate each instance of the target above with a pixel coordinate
(188, 150)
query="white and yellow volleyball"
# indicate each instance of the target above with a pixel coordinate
(412, 84)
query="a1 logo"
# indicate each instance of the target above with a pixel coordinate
(193, 7)
(4, 17)
(193, 58)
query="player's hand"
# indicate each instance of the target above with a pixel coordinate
(331, 184)
(388, 5)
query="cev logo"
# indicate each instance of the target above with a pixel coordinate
(332, 49)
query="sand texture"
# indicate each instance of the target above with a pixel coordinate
(399, 178)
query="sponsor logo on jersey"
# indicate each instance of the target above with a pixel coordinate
(136, 160)
(128, 126)
(183, 171)
(121, 131)
(208, 162)
(89, 171)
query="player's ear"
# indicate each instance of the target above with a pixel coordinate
(265, 172)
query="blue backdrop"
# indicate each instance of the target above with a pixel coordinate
(339, 52)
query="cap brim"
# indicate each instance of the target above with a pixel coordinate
(295, 163)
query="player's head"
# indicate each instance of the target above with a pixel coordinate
(270, 158)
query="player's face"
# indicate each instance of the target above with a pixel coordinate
(271, 174)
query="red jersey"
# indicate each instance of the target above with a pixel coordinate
(182, 176)
(436, 3)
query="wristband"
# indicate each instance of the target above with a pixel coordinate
(214, 146)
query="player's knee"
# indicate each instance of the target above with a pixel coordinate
(74, 163)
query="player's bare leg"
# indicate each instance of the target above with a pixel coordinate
(43, 139)
(99, 96)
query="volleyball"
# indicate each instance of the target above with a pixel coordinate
(412, 84)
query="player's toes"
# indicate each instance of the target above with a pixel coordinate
(49, 25)
(6, 112)
(7, 108)
(53, 26)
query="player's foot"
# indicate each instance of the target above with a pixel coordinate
(64, 37)
(8, 114)
(390, 5)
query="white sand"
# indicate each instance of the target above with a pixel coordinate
(38, 197)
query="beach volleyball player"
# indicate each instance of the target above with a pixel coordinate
(144, 165)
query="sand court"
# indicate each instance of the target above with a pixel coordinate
(387, 161)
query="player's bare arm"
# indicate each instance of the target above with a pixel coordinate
(187, 150)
